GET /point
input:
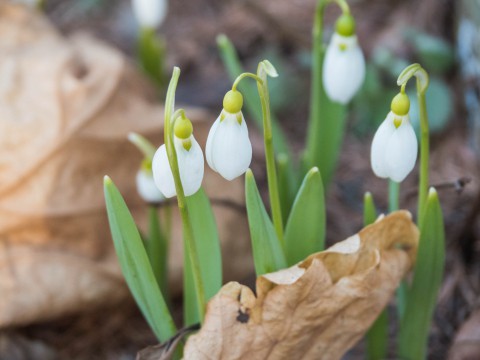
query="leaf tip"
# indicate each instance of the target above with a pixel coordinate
(106, 180)
(432, 194)
(222, 40)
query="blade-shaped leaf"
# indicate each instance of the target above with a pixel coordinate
(268, 254)
(157, 250)
(135, 264)
(209, 253)
(422, 296)
(287, 184)
(305, 230)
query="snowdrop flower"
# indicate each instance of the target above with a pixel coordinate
(228, 150)
(150, 13)
(344, 64)
(146, 187)
(395, 146)
(189, 158)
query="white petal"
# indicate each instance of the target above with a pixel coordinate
(379, 145)
(162, 174)
(401, 151)
(191, 165)
(150, 13)
(146, 187)
(343, 70)
(231, 149)
(208, 147)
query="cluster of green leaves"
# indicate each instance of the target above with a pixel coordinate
(140, 261)
(420, 295)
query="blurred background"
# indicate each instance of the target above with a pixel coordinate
(442, 35)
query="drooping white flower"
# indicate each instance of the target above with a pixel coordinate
(229, 150)
(190, 163)
(395, 146)
(150, 13)
(146, 187)
(344, 63)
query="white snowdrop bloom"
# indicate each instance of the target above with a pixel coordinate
(344, 63)
(146, 187)
(150, 13)
(395, 146)
(190, 164)
(229, 150)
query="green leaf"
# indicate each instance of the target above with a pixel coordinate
(427, 278)
(305, 230)
(209, 254)
(135, 264)
(157, 250)
(249, 90)
(268, 254)
(151, 53)
(369, 209)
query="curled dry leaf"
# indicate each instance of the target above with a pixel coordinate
(316, 309)
(66, 108)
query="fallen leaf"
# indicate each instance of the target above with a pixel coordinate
(66, 108)
(317, 309)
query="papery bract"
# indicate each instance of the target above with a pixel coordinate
(343, 68)
(190, 164)
(229, 150)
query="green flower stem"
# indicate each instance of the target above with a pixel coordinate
(264, 69)
(393, 196)
(181, 199)
(422, 86)
(147, 149)
(269, 153)
(393, 205)
(327, 118)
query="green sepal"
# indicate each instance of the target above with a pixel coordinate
(135, 264)
(209, 254)
(427, 279)
(305, 230)
(268, 255)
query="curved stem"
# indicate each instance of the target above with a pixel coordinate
(181, 199)
(243, 76)
(422, 85)
(147, 149)
(269, 153)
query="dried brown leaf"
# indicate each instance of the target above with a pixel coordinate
(316, 309)
(66, 108)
